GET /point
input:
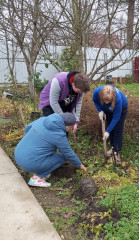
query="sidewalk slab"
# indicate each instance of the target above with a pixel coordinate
(6, 165)
(21, 216)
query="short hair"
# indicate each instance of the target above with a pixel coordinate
(82, 82)
(107, 93)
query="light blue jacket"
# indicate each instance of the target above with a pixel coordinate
(43, 137)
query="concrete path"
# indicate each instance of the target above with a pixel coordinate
(21, 216)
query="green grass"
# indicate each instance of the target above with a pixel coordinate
(58, 215)
(132, 88)
(130, 151)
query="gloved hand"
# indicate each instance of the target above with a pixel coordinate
(102, 116)
(106, 135)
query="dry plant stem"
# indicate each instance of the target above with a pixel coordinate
(75, 139)
(22, 116)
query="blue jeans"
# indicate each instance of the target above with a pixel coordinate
(50, 164)
(116, 135)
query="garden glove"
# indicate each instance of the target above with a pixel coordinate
(102, 116)
(106, 135)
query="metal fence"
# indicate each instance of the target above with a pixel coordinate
(20, 70)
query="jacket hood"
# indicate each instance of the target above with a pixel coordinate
(54, 122)
(70, 73)
(69, 84)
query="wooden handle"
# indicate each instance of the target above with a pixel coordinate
(104, 141)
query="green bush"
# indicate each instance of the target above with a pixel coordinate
(69, 60)
(129, 78)
(38, 84)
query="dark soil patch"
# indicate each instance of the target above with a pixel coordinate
(87, 189)
(95, 215)
(65, 171)
(131, 124)
(89, 117)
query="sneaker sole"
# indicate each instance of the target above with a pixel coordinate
(35, 185)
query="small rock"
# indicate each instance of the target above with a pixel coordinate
(62, 237)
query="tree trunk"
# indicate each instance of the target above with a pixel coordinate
(31, 79)
(76, 7)
(130, 22)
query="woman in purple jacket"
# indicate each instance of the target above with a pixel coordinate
(64, 93)
(111, 104)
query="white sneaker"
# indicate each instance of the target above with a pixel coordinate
(118, 159)
(38, 182)
(109, 153)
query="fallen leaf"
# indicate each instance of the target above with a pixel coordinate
(68, 214)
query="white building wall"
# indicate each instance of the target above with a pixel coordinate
(124, 70)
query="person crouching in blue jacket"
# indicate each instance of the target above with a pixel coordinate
(36, 151)
(111, 104)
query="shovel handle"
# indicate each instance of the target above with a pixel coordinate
(104, 141)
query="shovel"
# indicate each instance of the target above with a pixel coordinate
(104, 141)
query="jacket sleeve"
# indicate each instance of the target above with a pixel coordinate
(54, 96)
(96, 101)
(77, 110)
(64, 147)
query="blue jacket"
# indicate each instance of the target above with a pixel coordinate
(43, 137)
(120, 103)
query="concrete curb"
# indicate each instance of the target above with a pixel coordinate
(21, 215)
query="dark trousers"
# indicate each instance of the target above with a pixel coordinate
(116, 135)
(47, 111)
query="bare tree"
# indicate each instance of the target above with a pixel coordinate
(28, 23)
(130, 21)
(88, 21)
(132, 12)
(113, 28)
(77, 23)
(11, 55)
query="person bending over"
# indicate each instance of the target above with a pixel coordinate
(64, 93)
(36, 151)
(112, 104)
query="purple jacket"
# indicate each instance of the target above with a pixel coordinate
(63, 79)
